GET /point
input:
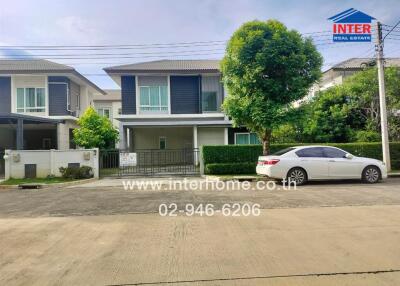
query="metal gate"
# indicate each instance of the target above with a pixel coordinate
(2, 170)
(152, 162)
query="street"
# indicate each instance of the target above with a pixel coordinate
(344, 234)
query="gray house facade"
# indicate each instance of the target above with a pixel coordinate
(171, 104)
(40, 102)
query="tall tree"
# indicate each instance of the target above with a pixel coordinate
(95, 131)
(350, 112)
(266, 68)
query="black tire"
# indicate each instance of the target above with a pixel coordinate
(298, 175)
(371, 175)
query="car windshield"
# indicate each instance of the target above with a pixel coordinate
(283, 151)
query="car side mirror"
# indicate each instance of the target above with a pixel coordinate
(348, 156)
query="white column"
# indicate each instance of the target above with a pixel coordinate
(226, 141)
(122, 137)
(195, 145)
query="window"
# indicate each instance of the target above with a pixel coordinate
(314, 152)
(209, 101)
(31, 99)
(106, 112)
(283, 151)
(163, 143)
(153, 98)
(334, 153)
(246, 138)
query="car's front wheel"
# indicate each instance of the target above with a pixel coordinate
(297, 175)
(371, 175)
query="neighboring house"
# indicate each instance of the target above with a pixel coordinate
(336, 74)
(109, 105)
(40, 102)
(173, 104)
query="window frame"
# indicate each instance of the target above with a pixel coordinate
(31, 109)
(249, 138)
(161, 108)
(102, 112)
(202, 101)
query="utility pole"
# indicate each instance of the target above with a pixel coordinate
(382, 97)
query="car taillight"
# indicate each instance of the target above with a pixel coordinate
(268, 162)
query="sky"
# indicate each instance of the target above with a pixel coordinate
(147, 25)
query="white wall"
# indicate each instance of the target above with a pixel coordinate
(148, 138)
(63, 134)
(210, 136)
(48, 161)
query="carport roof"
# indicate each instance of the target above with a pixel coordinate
(30, 118)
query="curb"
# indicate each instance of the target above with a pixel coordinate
(394, 175)
(46, 186)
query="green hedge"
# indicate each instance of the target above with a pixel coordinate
(230, 168)
(242, 159)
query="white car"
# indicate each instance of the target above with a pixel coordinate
(307, 163)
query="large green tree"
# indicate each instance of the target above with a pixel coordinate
(266, 68)
(350, 112)
(95, 131)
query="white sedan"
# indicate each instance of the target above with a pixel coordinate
(307, 163)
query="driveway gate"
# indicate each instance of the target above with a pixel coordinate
(2, 164)
(149, 162)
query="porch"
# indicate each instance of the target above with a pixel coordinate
(139, 138)
(24, 132)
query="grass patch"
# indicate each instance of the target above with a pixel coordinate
(36, 181)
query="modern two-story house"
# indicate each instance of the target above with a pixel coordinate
(173, 104)
(40, 102)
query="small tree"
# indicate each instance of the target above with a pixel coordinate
(266, 68)
(95, 131)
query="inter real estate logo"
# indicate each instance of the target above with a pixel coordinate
(351, 26)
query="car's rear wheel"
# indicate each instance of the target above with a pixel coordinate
(297, 175)
(371, 175)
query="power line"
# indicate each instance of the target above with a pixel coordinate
(391, 30)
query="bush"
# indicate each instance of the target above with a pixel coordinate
(84, 172)
(233, 168)
(367, 136)
(229, 157)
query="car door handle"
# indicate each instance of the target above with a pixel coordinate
(332, 161)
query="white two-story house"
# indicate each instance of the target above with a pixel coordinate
(173, 104)
(40, 103)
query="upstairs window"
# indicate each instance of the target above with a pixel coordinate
(154, 99)
(106, 112)
(31, 99)
(209, 101)
(246, 138)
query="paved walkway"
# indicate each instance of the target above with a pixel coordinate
(304, 246)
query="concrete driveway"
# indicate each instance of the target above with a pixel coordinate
(68, 237)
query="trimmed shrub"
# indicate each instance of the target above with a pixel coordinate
(84, 172)
(222, 155)
(231, 168)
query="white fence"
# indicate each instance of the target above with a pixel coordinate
(48, 162)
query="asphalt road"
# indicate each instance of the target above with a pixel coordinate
(109, 197)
